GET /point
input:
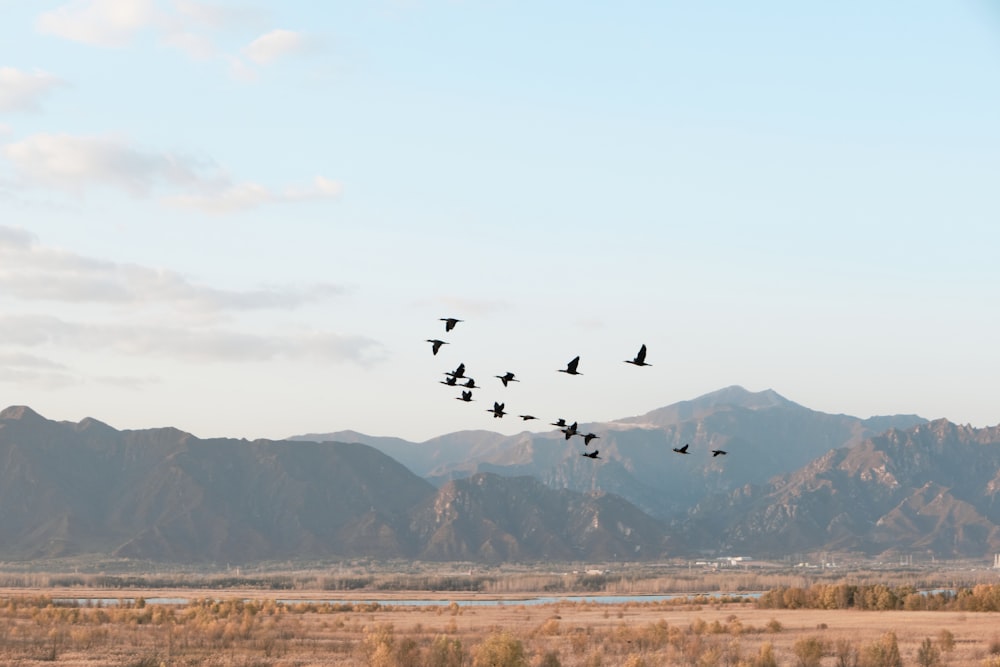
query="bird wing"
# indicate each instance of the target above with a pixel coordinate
(641, 357)
(571, 366)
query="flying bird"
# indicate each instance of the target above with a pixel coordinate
(436, 344)
(571, 367)
(682, 450)
(451, 381)
(497, 410)
(458, 372)
(471, 384)
(558, 422)
(466, 396)
(506, 377)
(592, 455)
(570, 430)
(640, 359)
(449, 322)
(527, 417)
(590, 436)
(716, 452)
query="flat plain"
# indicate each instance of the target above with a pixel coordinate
(303, 628)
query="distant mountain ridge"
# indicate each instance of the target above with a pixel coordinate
(932, 489)
(768, 434)
(794, 480)
(162, 494)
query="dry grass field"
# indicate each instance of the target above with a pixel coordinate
(255, 629)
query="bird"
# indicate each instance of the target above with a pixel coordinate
(506, 377)
(527, 417)
(591, 455)
(471, 384)
(466, 396)
(716, 452)
(497, 410)
(571, 367)
(450, 381)
(558, 422)
(682, 450)
(570, 430)
(436, 344)
(640, 359)
(449, 322)
(590, 436)
(458, 372)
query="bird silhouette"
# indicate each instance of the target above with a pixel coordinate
(682, 450)
(451, 381)
(570, 430)
(449, 322)
(436, 344)
(716, 452)
(466, 396)
(590, 436)
(471, 384)
(640, 359)
(497, 410)
(506, 377)
(558, 422)
(571, 367)
(592, 455)
(527, 417)
(458, 372)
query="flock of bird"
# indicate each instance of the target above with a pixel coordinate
(457, 378)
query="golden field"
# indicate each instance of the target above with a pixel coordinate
(256, 629)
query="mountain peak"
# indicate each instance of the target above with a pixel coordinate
(741, 397)
(731, 396)
(20, 413)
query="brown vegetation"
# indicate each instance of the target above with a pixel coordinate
(264, 632)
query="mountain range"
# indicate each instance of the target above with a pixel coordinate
(794, 480)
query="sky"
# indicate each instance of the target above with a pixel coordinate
(245, 219)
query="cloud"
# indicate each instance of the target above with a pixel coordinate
(190, 26)
(251, 195)
(73, 164)
(273, 45)
(24, 369)
(106, 23)
(189, 344)
(23, 91)
(29, 271)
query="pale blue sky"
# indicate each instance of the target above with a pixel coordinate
(243, 219)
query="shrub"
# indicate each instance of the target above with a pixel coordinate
(882, 653)
(765, 656)
(500, 650)
(808, 651)
(928, 655)
(846, 653)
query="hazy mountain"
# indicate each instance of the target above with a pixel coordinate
(767, 434)
(932, 488)
(491, 518)
(162, 494)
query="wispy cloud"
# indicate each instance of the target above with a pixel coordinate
(29, 369)
(74, 164)
(106, 23)
(273, 45)
(190, 26)
(252, 195)
(23, 91)
(189, 344)
(30, 271)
